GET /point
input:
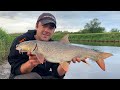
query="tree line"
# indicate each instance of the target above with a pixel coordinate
(94, 26)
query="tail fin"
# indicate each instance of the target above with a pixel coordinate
(100, 62)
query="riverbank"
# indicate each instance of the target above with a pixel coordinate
(90, 36)
(4, 70)
(94, 39)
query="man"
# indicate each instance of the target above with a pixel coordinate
(26, 65)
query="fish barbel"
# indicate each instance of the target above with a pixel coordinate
(62, 51)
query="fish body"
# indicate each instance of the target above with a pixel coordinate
(56, 52)
(62, 51)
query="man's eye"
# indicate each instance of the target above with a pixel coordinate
(51, 28)
(48, 26)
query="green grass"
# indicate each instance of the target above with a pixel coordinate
(4, 45)
(90, 36)
(78, 38)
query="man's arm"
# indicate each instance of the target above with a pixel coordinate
(15, 59)
(61, 71)
(30, 64)
(20, 63)
(27, 67)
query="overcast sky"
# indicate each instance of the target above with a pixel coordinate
(21, 21)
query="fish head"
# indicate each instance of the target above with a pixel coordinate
(26, 46)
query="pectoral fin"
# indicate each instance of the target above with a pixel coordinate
(65, 65)
(40, 57)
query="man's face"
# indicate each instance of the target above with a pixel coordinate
(44, 32)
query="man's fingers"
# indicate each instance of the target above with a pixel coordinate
(33, 57)
(34, 62)
(74, 60)
(39, 59)
(78, 59)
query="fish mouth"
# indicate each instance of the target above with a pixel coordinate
(19, 49)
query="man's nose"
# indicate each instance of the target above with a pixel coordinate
(47, 29)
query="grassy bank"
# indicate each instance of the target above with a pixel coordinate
(97, 39)
(90, 36)
(5, 41)
(78, 37)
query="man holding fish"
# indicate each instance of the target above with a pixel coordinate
(26, 65)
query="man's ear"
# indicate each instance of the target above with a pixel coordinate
(36, 25)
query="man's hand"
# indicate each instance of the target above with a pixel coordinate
(78, 60)
(61, 71)
(30, 64)
(34, 60)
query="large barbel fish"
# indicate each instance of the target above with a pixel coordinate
(62, 51)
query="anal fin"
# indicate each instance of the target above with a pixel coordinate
(101, 64)
(65, 66)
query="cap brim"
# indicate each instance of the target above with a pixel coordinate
(48, 21)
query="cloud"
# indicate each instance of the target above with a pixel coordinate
(15, 21)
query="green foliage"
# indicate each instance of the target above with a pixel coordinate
(114, 30)
(85, 38)
(4, 44)
(93, 27)
(58, 32)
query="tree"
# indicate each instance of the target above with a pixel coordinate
(84, 31)
(93, 27)
(114, 30)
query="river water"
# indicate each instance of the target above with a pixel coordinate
(93, 71)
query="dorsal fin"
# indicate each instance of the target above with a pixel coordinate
(65, 39)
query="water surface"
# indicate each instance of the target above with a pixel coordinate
(93, 71)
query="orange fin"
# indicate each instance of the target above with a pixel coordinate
(22, 40)
(105, 55)
(65, 65)
(101, 64)
(65, 39)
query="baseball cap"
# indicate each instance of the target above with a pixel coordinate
(46, 18)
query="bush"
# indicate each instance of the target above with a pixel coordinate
(4, 45)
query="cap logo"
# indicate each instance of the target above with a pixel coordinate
(22, 40)
(48, 17)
